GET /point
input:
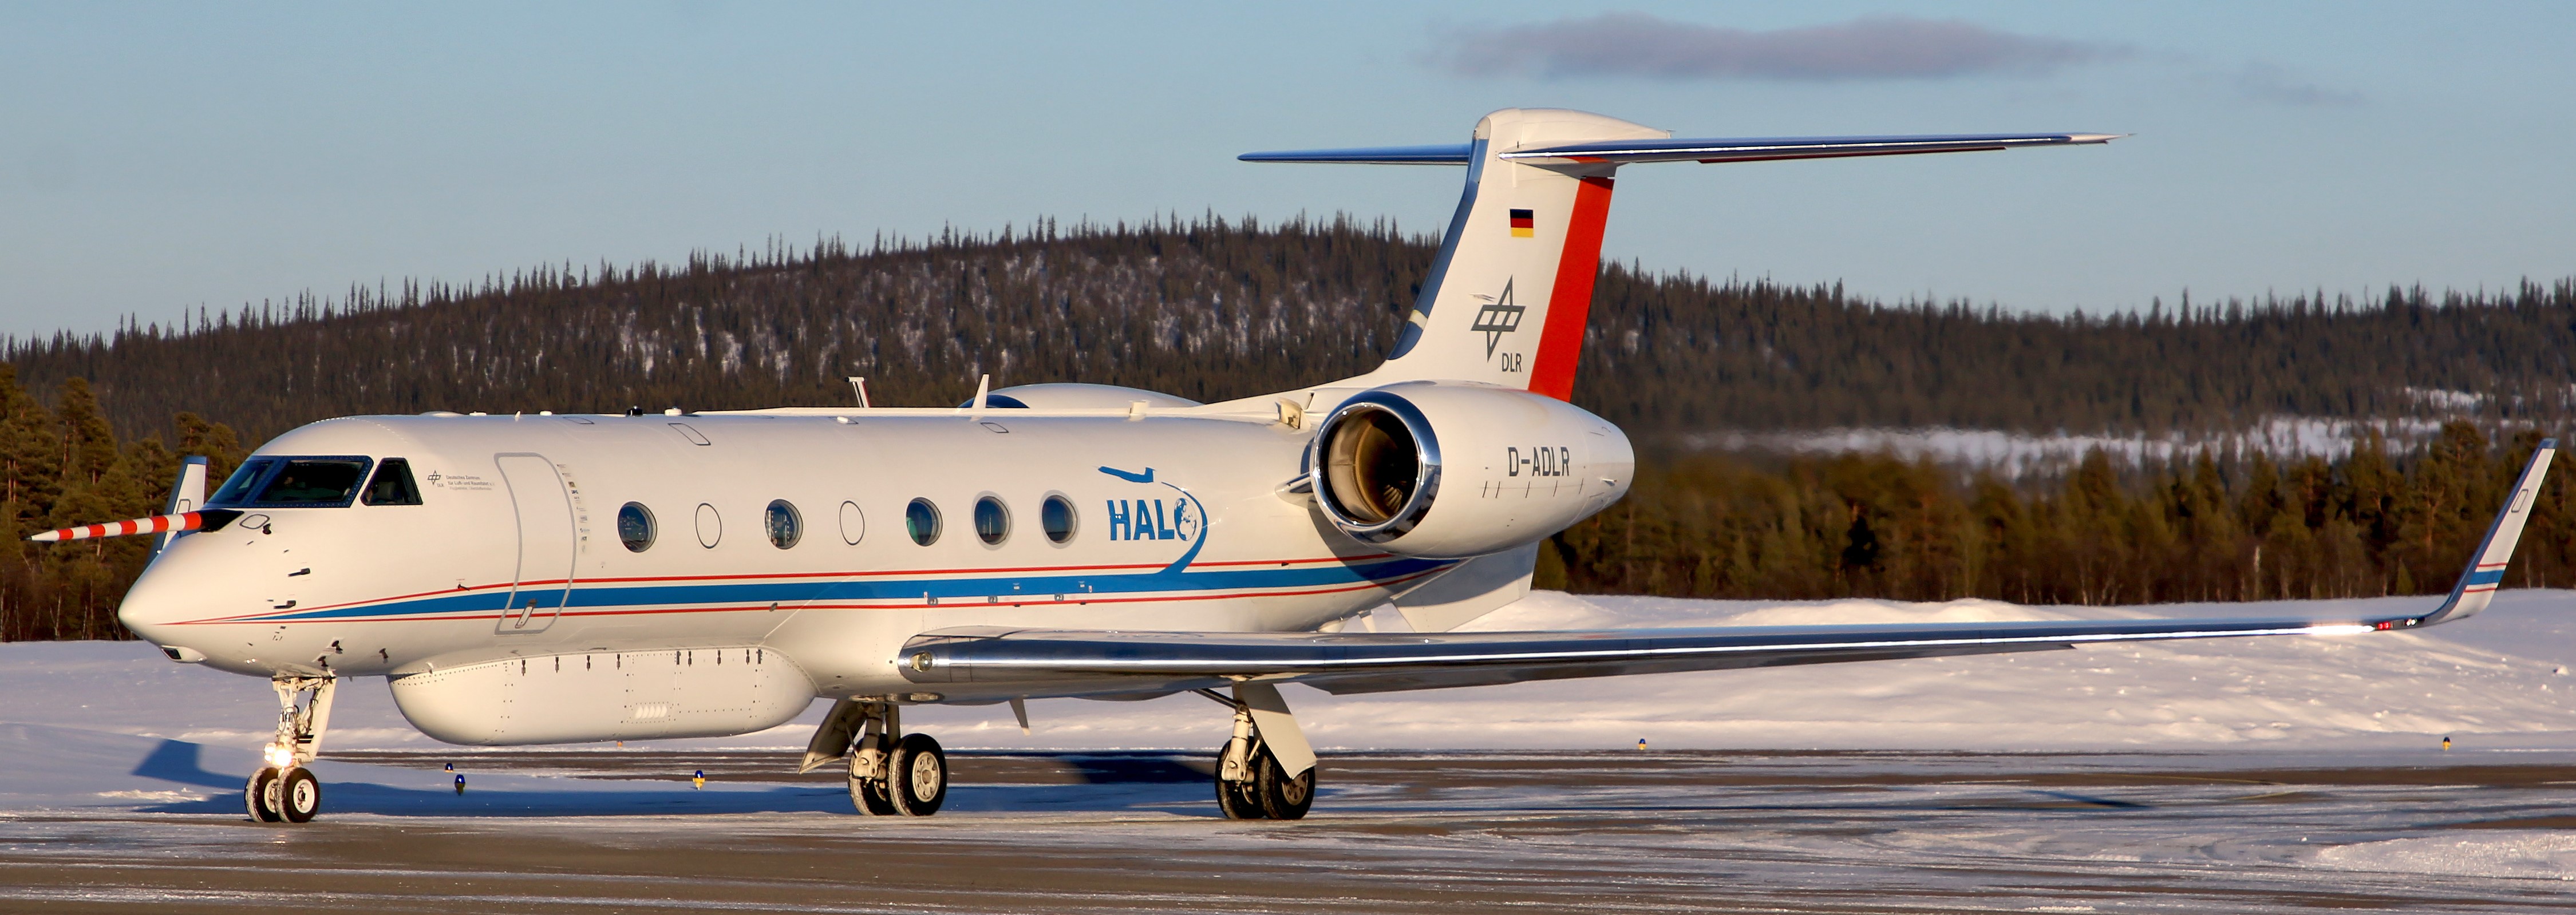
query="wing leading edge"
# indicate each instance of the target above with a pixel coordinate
(1073, 662)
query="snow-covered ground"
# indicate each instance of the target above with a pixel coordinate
(2498, 681)
(2017, 454)
(119, 760)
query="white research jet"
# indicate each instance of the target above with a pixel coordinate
(536, 578)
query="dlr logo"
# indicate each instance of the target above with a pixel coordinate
(1147, 519)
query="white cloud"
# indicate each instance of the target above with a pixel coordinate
(1867, 48)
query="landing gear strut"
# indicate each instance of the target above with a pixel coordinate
(890, 772)
(1263, 773)
(284, 790)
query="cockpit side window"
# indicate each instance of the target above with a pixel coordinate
(245, 480)
(302, 482)
(393, 484)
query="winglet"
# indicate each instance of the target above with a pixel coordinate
(2478, 582)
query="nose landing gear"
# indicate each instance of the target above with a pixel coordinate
(284, 790)
(889, 774)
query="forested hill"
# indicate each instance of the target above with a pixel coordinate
(1212, 309)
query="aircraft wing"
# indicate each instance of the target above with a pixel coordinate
(1380, 662)
(1080, 661)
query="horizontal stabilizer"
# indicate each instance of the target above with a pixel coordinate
(1434, 154)
(1711, 150)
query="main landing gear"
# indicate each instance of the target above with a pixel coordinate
(890, 772)
(284, 790)
(1267, 771)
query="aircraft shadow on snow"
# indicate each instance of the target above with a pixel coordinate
(1102, 783)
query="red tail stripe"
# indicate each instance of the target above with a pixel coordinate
(1569, 305)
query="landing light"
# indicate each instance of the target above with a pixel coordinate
(279, 755)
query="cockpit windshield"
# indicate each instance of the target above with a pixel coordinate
(293, 482)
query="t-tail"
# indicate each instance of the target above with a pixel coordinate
(1507, 297)
(2478, 583)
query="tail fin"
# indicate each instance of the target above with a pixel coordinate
(1506, 300)
(2477, 585)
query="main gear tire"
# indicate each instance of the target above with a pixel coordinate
(868, 793)
(1282, 797)
(1235, 799)
(918, 776)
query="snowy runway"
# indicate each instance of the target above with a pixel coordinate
(2243, 776)
(1594, 831)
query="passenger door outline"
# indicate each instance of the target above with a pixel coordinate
(547, 539)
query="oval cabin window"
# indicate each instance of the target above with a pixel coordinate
(1057, 517)
(635, 526)
(992, 521)
(784, 524)
(921, 519)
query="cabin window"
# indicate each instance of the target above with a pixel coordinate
(294, 482)
(393, 484)
(1056, 516)
(992, 521)
(635, 526)
(784, 524)
(921, 519)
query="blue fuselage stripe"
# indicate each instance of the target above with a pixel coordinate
(799, 593)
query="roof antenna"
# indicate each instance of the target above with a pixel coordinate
(983, 386)
(860, 385)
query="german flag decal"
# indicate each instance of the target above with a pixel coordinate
(1523, 224)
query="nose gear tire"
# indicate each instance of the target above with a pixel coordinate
(299, 795)
(260, 796)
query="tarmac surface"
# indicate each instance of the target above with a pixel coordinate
(1391, 832)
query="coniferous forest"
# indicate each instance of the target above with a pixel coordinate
(1211, 309)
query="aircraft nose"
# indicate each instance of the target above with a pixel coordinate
(163, 599)
(150, 612)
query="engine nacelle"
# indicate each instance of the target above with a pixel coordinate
(1448, 471)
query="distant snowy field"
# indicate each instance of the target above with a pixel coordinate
(2497, 681)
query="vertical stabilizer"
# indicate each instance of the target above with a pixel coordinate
(1506, 300)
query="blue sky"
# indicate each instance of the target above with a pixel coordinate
(154, 158)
